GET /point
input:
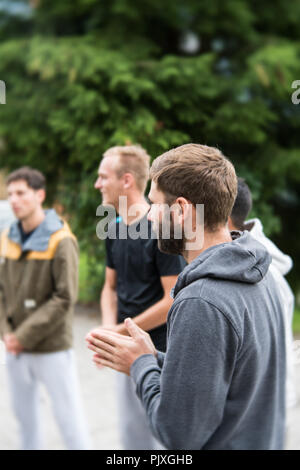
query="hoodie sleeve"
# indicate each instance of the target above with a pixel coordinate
(160, 358)
(47, 317)
(185, 399)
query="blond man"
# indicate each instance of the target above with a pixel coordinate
(138, 278)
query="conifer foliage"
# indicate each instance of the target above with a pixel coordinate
(83, 75)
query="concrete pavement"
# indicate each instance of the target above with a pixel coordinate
(97, 391)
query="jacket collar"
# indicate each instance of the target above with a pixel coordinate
(39, 240)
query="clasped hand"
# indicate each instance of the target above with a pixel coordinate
(12, 344)
(119, 351)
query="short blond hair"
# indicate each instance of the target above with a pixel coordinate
(133, 159)
(201, 174)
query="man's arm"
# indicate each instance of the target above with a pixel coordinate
(108, 302)
(186, 398)
(47, 317)
(5, 327)
(155, 315)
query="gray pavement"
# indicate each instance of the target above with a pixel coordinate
(98, 395)
(97, 391)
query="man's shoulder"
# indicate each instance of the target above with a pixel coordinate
(9, 248)
(207, 294)
(4, 234)
(62, 239)
(191, 291)
(197, 312)
(63, 233)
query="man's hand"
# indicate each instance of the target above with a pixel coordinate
(12, 344)
(109, 327)
(118, 328)
(118, 351)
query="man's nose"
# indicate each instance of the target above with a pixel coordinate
(98, 183)
(12, 198)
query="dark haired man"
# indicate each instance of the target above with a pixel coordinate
(280, 266)
(220, 384)
(38, 289)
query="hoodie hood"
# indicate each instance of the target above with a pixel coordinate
(242, 260)
(39, 240)
(280, 261)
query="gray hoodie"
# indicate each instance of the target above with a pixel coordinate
(221, 383)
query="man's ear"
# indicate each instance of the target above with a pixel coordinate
(182, 208)
(41, 195)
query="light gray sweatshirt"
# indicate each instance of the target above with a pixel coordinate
(221, 383)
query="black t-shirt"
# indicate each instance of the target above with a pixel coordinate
(139, 265)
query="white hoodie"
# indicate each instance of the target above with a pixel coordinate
(280, 266)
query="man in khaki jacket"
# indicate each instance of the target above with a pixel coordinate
(38, 289)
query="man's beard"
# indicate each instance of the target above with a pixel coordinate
(172, 246)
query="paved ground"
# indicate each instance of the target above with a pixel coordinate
(98, 397)
(97, 390)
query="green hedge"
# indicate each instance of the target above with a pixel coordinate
(83, 75)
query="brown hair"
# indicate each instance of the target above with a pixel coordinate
(201, 174)
(34, 178)
(132, 159)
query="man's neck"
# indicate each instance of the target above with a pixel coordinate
(210, 239)
(128, 214)
(33, 221)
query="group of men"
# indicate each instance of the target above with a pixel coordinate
(196, 315)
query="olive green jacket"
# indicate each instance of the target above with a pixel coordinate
(39, 284)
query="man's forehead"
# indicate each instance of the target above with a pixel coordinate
(107, 164)
(18, 184)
